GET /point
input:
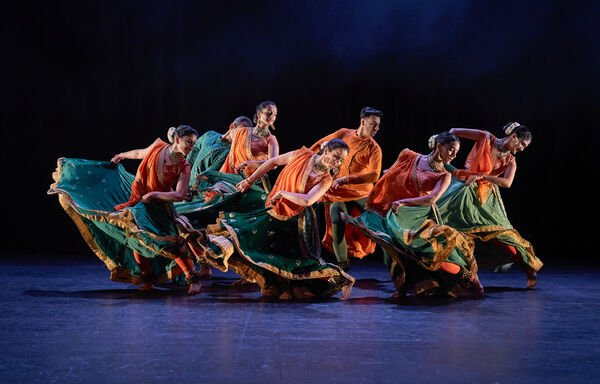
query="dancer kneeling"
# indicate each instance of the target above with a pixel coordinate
(423, 256)
(278, 247)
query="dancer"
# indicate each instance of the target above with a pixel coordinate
(278, 247)
(210, 151)
(490, 164)
(137, 240)
(251, 146)
(349, 191)
(422, 255)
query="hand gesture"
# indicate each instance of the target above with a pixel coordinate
(240, 167)
(337, 183)
(148, 197)
(473, 178)
(116, 158)
(396, 204)
(275, 198)
(243, 185)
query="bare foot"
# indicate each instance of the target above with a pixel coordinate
(146, 286)
(395, 295)
(346, 289)
(205, 273)
(285, 295)
(194, 289)
(241, 281)
(531, 276)
(302, 293)
(474, 291)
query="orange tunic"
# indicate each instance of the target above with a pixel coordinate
(362, 163)
(244, 149)
(295, 177)
(403, 180)
(154, 174)
(484, 159)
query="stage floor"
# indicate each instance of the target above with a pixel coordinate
(65, 321)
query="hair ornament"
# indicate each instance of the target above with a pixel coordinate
(431, 141)
(171, 134)
(508, 129)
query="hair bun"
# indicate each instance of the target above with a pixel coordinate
(171, 134)
(510, 127)
(431, 141)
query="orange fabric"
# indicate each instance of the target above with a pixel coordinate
(403, 180)
(363, 161)
(244, 149)
(150, 178)
(482, 161)
(359, 246)
(450, 268)
(295, 177)
(144, 263)
(364, 158)
(186, 265)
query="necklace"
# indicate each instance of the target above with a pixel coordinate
(436, 166)
(498, 146)
(261, 132)
(318, 166)
(175, 157)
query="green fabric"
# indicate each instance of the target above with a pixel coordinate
(201, 212)
(209, 154)
(90, 190)
(459, 208)
(278, 250)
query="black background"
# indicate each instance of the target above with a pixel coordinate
(89, 79)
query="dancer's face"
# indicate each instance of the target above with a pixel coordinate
(334, 158)
(515, 144)
(371, 125)
(267, 116)
(448, 151)
(185, 143)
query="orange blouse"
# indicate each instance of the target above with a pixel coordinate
(484, 159)
(403, 180)
(363, 162)
(243, 148)
(154, 174)
(295, 177)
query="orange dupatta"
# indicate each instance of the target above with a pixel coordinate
(481, 162)
(294, 178)
(241, 150)
(397, 183)
(148, 177)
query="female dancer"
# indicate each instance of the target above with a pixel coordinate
(491, 163)
(251, 146)
(278, 247)
(163, 166)
(423, 256)
(139, 242)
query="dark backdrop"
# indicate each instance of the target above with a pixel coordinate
(91, 78)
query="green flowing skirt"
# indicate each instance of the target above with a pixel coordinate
(88, 191)
(414, 248)
(209, 154)
(487, 224)
(215, 192)
(274, 253)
